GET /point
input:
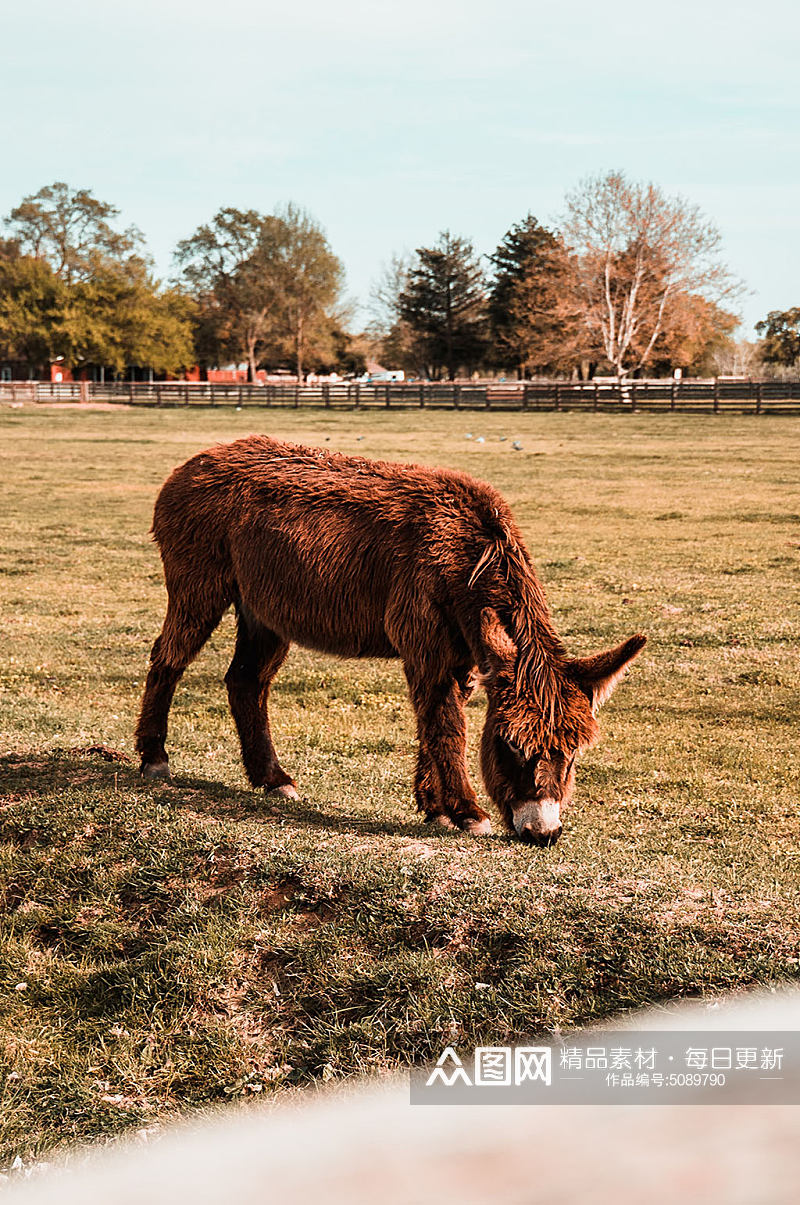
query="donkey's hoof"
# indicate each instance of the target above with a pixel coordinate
(158, 770)
(286, 789)
(443, 821)
(478, 828)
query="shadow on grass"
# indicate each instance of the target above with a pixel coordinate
(97, 767)
(210, 796)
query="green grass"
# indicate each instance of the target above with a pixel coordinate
(166, 948)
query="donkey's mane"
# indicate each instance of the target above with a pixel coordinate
(540, 652)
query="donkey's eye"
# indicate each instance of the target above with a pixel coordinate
(517, 750)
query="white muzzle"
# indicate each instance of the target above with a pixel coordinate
(538, 822)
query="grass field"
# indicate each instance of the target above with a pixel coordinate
(175, 946)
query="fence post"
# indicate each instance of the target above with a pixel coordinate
(759, 397)
(596, 396)
(421, 395)
(558, 397)
(326, 395)
(672, 395)
(633, 397)
(456, 397)
(358, 396)
(716, 395)
(525, 396)
(158, 395)
(386, 396)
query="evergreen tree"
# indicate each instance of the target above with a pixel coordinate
(532, 311)
(443, 305)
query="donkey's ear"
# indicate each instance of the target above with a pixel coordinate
(600, 673)
(501, 652)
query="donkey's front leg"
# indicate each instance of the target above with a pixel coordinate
(441, 784)
(258, 656)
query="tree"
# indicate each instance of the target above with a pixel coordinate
(311, 279)
(71, 230)
(227, 265)
(394, 340)
(443, 304)
(780, 337)
(121, 318)
(637, 251)
(31, 310)
(262, 283)
(696, 334)
(737, 358)
(117, 319)
(533, 312)
(73, 287)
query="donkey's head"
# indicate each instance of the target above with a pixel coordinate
(540, 717)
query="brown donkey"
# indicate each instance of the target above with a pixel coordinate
(367, 559)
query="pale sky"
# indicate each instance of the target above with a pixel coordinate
(393, 120)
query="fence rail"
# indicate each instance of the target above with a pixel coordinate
(687, 396)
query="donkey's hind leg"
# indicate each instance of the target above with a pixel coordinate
(181, 639)
(257, 658)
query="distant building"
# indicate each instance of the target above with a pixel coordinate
(376, 372)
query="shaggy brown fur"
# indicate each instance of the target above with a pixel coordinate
(363, 558)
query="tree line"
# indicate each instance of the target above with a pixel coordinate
(73, 288)
(630, 281)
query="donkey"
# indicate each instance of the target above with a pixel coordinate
(364, 558)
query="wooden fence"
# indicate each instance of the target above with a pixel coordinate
(687, 396)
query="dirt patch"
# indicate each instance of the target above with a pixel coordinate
(275, 899)
(305, 909)
(99, 751)
(81, 405)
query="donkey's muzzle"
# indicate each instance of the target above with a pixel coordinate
(532, 837)
(538, 822)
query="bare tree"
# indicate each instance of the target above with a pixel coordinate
(392, 336)
(738, 358)
(384, 294)
(637, 251)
